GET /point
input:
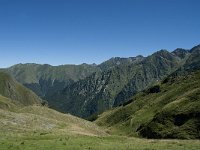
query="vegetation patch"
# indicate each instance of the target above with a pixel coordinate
(170, 110)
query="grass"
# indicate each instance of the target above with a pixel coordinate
(28, 129)
(80, 142)
(41, 128)
(8, 104)
(61, 136)
(31, 119)
(12, 89)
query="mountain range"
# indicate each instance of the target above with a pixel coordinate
(169, 109)
(153, 97)
(87, 90)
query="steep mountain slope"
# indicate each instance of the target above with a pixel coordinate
(112, 87)
(13, 90)
(45, 80)
(87, 90)
(8, 104)
(153, 69)
(167, 110)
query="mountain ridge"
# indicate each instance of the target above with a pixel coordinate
(92, 89)
(169, 109)
(114, 85)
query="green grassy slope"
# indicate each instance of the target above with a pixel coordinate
(66, 142)
(41, 128)
(42, 120)
(173, 112)
(12, 89)
(8, 104)
(19, 117)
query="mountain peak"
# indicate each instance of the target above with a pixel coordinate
(180, 52)
(162, 53)
(139, 56)
(196, 48)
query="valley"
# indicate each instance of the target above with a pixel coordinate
(99, 75)
(130, 103)
(85, 90)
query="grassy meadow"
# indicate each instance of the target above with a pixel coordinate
(26, 129)
(80, 142)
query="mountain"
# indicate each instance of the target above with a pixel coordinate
(21, 112)
(38, 127)
(114, 85)
(14, 91)
(45, 80)
(169, 109)
(151, 70)
(88, 90)
(153, 97)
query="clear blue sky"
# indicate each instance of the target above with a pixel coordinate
(91, 31)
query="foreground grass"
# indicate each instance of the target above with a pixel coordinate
(59, 142)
